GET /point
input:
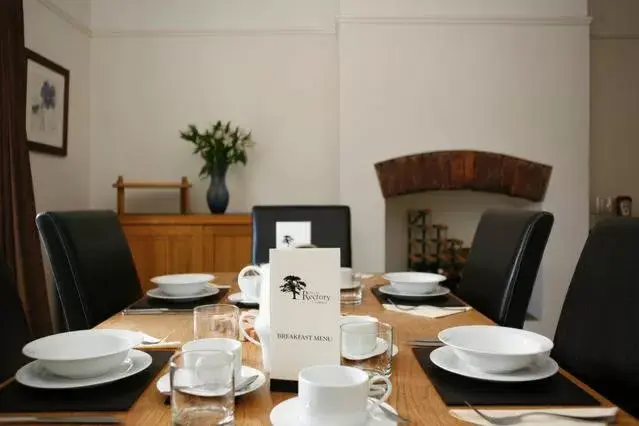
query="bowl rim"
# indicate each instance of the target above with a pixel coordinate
(205, 278)
(546, 343)
(429, 277)
(123, 346)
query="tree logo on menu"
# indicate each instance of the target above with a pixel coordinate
(294, 285)
(288, 240)
(298, 289)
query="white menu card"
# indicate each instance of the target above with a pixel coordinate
(292, 234)
(305, 310)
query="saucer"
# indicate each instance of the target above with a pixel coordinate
(35, 376)
(390, 291)
(163, 384)
(446, 359)
(207, 291)
(382, 346)
(286, 413)
(237, 298)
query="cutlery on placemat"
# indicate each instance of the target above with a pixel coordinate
(426, 343)
(390, 415)
(99, 420)
(412, 308)
(516, 419)
(151, 311)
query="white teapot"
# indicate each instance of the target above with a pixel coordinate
(262, 321)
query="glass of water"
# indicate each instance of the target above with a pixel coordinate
(202, 388)
(367, 345)
(216, 321)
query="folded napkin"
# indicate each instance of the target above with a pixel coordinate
(471, 417)
(427, 310)
(161, 345)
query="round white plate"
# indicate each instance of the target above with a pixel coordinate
(206, 292)
(237, 298)
(391, 291)
(362, 276)
(446, 359)
(286, 413)
(354, 284)
(183, 279)
(135, 337)
(35, 376)
(381, 347)
(163, 384)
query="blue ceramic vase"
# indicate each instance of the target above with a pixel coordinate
(217, 195)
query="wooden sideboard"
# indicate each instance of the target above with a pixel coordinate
(172, 244)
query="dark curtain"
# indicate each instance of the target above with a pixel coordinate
(18, 235)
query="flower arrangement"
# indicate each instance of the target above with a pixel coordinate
(220, 146)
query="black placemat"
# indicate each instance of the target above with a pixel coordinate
(447, 301)
(150, 303)
(454, 389)
(116, 396)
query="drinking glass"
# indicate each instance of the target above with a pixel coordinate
(202, 388)
(216, 321)
(352, 295)
(356, 337)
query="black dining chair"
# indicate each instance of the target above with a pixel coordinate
(15, 331)
(92, 265)
(503, 262)
(596, 338)
(330, 227)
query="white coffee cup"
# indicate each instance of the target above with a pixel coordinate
(358, 334)
(219, 344)
(249, 284)
(337, 395)
(346, 277)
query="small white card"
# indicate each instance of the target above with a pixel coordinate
(305, 310)
(291, 234)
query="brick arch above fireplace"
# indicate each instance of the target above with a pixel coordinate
(470, 170)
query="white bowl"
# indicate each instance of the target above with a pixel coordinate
(495, 349)
(182, 284)
(414, 282)
(79, 354)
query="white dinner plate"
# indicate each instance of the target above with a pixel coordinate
(163, 384)
(286, 413)
(35, 376)
(238, 298)
(391, 291)
(381, 347)
(207, 291)
(446, 359)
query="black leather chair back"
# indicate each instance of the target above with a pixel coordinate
(597, 338)
(330, 227)
(502, 265)
(91, 263)
(14, 329)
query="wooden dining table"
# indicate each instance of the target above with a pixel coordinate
(413, 395)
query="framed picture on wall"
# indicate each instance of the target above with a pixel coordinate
(624, 205)
(47, 105)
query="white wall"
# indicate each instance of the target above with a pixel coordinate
(502, 76)
(615, 99)
(61, 183)
(57, 30)
(160, 66)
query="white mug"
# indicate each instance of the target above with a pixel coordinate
(337, 395)
(346, 277)
(219, 344)
(358, 334)
(249, 284)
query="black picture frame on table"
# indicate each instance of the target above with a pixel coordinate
(38, 145)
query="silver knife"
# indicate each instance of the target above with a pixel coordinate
(101, 420)
(152, 311)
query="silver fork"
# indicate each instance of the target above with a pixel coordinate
(516, 419)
